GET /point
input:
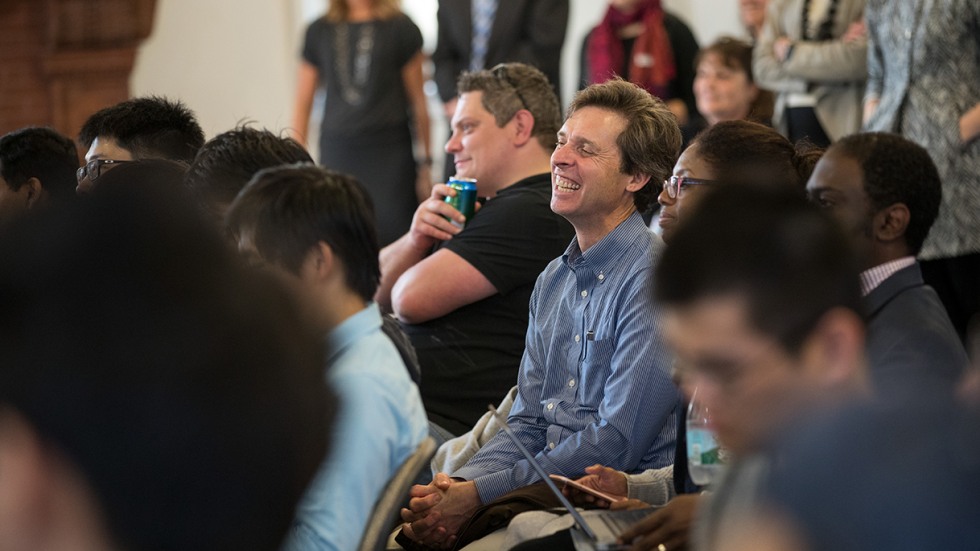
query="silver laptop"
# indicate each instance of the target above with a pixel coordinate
(599, 531)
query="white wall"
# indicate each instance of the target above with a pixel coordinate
(235, 60)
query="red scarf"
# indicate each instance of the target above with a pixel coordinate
(652, 61)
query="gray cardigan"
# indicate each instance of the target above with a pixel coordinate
(833, 71)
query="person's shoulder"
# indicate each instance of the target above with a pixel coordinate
(401, 20)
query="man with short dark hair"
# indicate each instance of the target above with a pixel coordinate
(154, 394)
(150, 127)
(594, 384)
(316, 227)
(886, 192)
(226, 162)
(36, 165)
(761, 300)
(462, 294)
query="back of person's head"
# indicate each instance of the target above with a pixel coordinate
(185, 390)
(40, 153)
(651, 140)
(767, 245)
(736, 55)
(749, 152)
(229, 160)
(896, 170)
(510, 87)
(147, 127)
(284, 212)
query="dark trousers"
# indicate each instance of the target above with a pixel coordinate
(802, 123)
(957, 282)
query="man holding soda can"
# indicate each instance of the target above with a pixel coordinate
(460, 279)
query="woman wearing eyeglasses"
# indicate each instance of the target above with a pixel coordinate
(366, 55)
(732, 152)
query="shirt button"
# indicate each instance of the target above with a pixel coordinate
(551, 445)
(585, 293)
(578, 338)
(571, 383)
(602, 276)
(551, 406)
(908, 34)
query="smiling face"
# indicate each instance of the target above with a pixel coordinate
(723, 93)
(689, 165)
(479, 147)
(588, 187)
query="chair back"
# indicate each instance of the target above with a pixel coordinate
(386, 509)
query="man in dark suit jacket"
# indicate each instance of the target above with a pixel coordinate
(528, 31)
(886, 191)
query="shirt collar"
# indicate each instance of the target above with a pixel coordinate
(873, 277)
(602, 256)
(353, 328)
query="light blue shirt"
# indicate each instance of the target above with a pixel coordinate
(594, 384)
(379, 424)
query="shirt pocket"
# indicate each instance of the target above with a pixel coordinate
(596, 367)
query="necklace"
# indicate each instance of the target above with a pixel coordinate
(825, 31)
(353, 69)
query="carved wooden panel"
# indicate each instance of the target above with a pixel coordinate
(62, 60)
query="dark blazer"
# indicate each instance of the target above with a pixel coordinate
(910, 340)
(529, 31)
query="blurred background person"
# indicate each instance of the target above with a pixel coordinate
(813, 55)
(752, 14)
(37, 166)
(651, 48)
(724, 88)
(479, 34)
(143, 403)
(367, 55)
(924, 66)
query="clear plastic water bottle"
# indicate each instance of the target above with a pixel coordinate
(704, 456)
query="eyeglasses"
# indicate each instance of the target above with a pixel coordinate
(94, 168)
(674, 184)
(500, 71)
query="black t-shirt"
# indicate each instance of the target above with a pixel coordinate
(470, 357)
(384, 102)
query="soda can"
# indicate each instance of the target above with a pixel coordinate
(465, 199)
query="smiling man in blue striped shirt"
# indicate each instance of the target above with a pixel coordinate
(594, 383)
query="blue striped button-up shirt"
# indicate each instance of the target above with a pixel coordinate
(594, 384)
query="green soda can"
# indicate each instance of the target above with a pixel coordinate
(465, 199)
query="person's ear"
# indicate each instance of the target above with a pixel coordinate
(890, 223)
(34, 191)
(834, 351)
(637, 181)
(323, 260)
(523, 126)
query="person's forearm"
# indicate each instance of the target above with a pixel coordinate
(870, 106)
(654, 486)
(306, 83)
(395, 260)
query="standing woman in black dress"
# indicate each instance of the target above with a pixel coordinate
(367, 55)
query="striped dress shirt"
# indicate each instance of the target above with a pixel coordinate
(594, 383)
